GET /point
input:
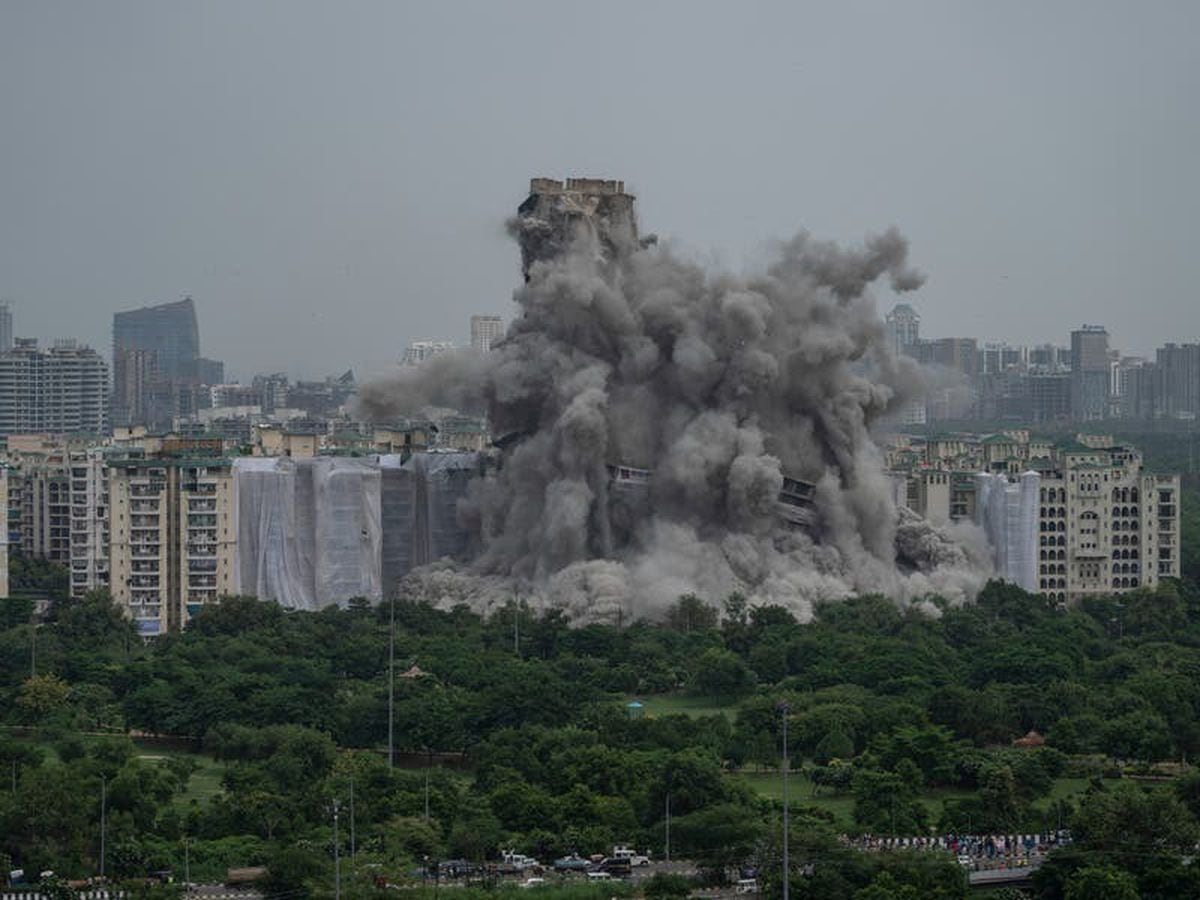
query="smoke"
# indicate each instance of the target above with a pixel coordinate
(624, 354)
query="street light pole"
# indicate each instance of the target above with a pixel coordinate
(337, 859)
(392, 681)
(668, 848)
(784, 709)
(103, 823)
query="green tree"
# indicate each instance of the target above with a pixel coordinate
(1101, 883)
(41, 696)
(884, 887)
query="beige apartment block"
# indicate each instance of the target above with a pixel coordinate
(1104, 525)
(172, 537)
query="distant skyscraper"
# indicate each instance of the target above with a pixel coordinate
(156, 361)
(485, 331)
(903, 329)
(60, 390)
(1179, 365)
(169, 329)
(6, 332)
(1090, 380)
(419, 351)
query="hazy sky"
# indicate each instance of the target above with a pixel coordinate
(329, 180)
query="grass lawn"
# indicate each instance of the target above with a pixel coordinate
(841, 806)
(686, 705)
(203, 784)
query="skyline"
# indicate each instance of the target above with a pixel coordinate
(330, 184)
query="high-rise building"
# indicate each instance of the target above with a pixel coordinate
(1179, 369)
(557, 215)
(58, 507)
(485, 331)
(1047, 359)
(87, 470)
(172, 533)
(958, 354)
(169, 329)
(60, 390)
(995, 359)
(1090, 378)
(6, 328)
(903, 329)
(419, 351)
(157, 363)
(4, 532)
(273, 391)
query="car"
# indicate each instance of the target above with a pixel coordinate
(533, 882)
(572, 863)
(598, 875)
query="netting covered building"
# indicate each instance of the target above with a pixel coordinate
(318, 531)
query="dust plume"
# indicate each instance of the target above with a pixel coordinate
(625, 355)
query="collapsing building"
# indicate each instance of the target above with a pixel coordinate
(317, 531)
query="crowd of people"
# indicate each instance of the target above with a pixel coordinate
(973, 851)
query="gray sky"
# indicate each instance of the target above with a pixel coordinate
(329, 180)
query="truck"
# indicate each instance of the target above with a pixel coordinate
(517, 862)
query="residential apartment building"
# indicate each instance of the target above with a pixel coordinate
(63, 389)
(172, 533)
(419, 351)
(56, 496)
(1101, 523)
(87, 472)
(3, 533)
(485, 331)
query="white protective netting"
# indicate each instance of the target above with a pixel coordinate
(1008, 513)
(308, 530)
(312, 532)
(420, 510)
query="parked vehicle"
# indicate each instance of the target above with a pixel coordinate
(572, 863)
(746, 886)
(635, 858)
(618, 868)
(517, 862)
